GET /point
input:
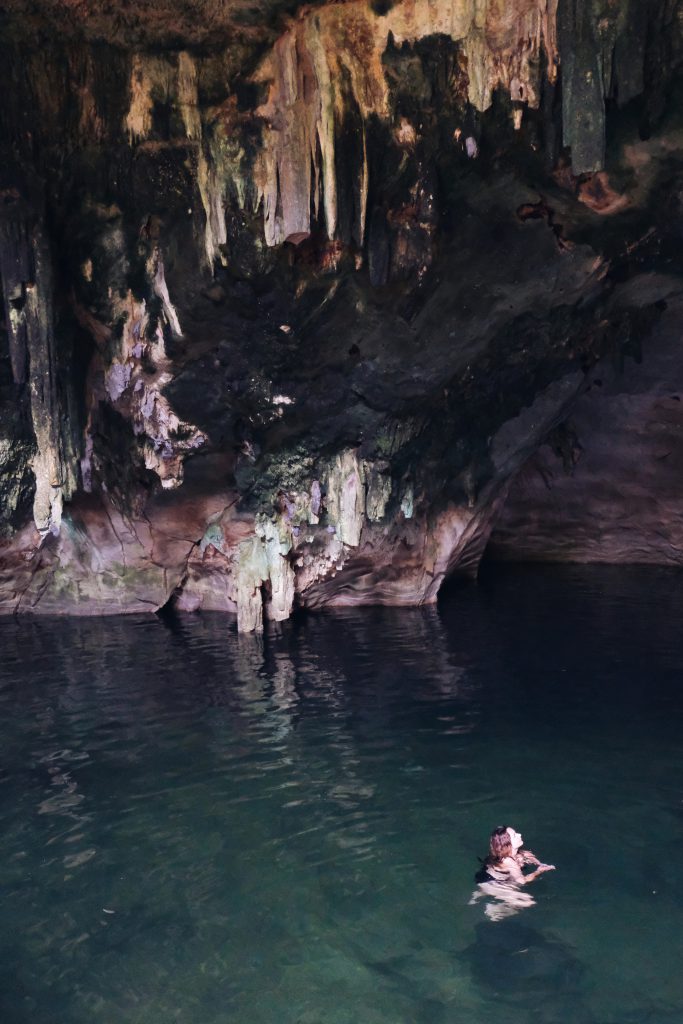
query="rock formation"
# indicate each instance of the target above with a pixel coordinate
(303, 306)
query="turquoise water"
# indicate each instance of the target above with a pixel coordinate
(207, 829)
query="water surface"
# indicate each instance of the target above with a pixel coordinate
(206, 828)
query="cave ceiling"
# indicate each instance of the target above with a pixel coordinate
(300, 300)
(241, 26)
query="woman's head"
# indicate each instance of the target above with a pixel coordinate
(515, 839)
(500, 844)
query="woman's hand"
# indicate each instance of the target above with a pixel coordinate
(540, 870)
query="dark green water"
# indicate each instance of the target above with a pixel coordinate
(207, 829)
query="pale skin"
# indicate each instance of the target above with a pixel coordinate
(513, 864)
(506, 878)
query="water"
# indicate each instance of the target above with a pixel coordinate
(203, 828)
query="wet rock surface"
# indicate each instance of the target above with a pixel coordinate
(289, 309)
(606, 487)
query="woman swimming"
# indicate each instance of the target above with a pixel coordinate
(507, 858)
(501, 875)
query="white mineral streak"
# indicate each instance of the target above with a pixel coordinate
(139, 118)
(211, 192)
(503, 44)
(364, 189)
(157, 75)
(346, 497)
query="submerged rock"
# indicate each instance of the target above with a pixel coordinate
(516, 961)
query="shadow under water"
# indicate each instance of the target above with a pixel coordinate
(518, 964)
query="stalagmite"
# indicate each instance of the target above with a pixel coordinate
(277, 541)
(252, 571)
(261, 558)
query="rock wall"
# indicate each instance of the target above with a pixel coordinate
(606, 486)
(290, 302)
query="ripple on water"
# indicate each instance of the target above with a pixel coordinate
(202, 827)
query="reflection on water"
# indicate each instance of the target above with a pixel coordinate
(203, 827)
(501, 901)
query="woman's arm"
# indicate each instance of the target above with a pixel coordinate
(517, 875)
(540, 870)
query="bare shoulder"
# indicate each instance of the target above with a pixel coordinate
(510, 865)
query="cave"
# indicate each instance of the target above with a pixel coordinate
(310, 312)
(300, 312)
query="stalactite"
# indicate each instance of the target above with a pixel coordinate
(331, 61)
(153, 77)
(583, 107)
(17, 272)
(135, 380)
(252, 571)
(187, 96)
(346, 497)
(345, 43)
(26, 269)
(210, 174)
(602, 49)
